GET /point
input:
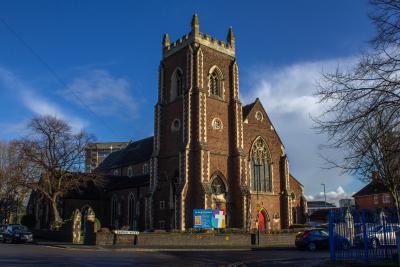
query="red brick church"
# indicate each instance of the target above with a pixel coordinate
(208, 151)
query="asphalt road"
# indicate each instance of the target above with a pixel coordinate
(38, 255)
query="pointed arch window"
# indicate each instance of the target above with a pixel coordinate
(176, 84)
(261, 180)
(131, 212)
(114, 212)
(218, 186)
(215, 83)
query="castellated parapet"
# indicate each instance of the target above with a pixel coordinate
(195, 36)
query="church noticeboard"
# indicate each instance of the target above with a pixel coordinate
(208, 218)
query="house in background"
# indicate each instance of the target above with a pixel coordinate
(373, 195)
(346, 203)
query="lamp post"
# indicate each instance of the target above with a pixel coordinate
(324, 194)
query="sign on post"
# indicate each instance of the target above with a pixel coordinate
(208, 218)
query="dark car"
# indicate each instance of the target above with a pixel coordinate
(2, 227)
(313, 239)
(16, 233)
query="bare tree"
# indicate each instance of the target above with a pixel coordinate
(54, 157)
(11, 191)
(363, 104)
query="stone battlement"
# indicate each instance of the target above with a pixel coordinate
(202, 38)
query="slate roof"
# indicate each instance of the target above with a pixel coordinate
(372, 188)
(291, 176)
(247, 108)
(123, 182)
(110, 183)
(134, 152)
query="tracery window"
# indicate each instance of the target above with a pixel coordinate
(261, 180)
(218, 186)
(215, 84)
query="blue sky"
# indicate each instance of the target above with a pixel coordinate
(105, 54)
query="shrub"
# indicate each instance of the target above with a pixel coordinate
(295, 226)
(28, 220)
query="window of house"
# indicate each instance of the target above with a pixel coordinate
(261, 180)
(161, 224)
(386, 198)
(162, 204)
(116, 172)
(376, 199)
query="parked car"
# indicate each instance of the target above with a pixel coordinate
(16, 233)
(318, 238)
(378, 236)
(2, 226)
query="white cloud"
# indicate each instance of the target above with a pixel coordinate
(103, 93)
(35, 103)
(331, 196)
(287, 94)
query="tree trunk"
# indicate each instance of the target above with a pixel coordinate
(395, 195)
(56, 219)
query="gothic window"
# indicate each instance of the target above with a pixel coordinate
(176, 84)
(259, 116)
(145, 168)
(114, 212)
(131, 211)
(261, 180)
(218, 186)
(179, 83)
(130, 171)
(215, 84)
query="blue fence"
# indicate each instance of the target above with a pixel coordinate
(367, 236)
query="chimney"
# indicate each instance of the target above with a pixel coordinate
(375, 176)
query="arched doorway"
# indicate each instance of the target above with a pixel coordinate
(263, 221)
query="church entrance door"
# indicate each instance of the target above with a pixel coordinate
(261, 222)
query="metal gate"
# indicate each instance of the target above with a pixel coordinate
(363, 235)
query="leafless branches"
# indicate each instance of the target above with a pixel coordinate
(53, 157)
(362, 114)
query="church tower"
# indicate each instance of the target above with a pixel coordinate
(197, 159)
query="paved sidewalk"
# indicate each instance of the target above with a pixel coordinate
(67, 245)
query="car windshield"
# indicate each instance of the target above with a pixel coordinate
(19, 228)
(324, 233)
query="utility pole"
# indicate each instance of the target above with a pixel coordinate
(324, 194)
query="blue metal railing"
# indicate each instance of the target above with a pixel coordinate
(367, 235)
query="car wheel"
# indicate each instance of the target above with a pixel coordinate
(345, 245)
(374, 243)
(311, 246)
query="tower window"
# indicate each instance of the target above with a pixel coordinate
(176, 84)
(215, 84)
